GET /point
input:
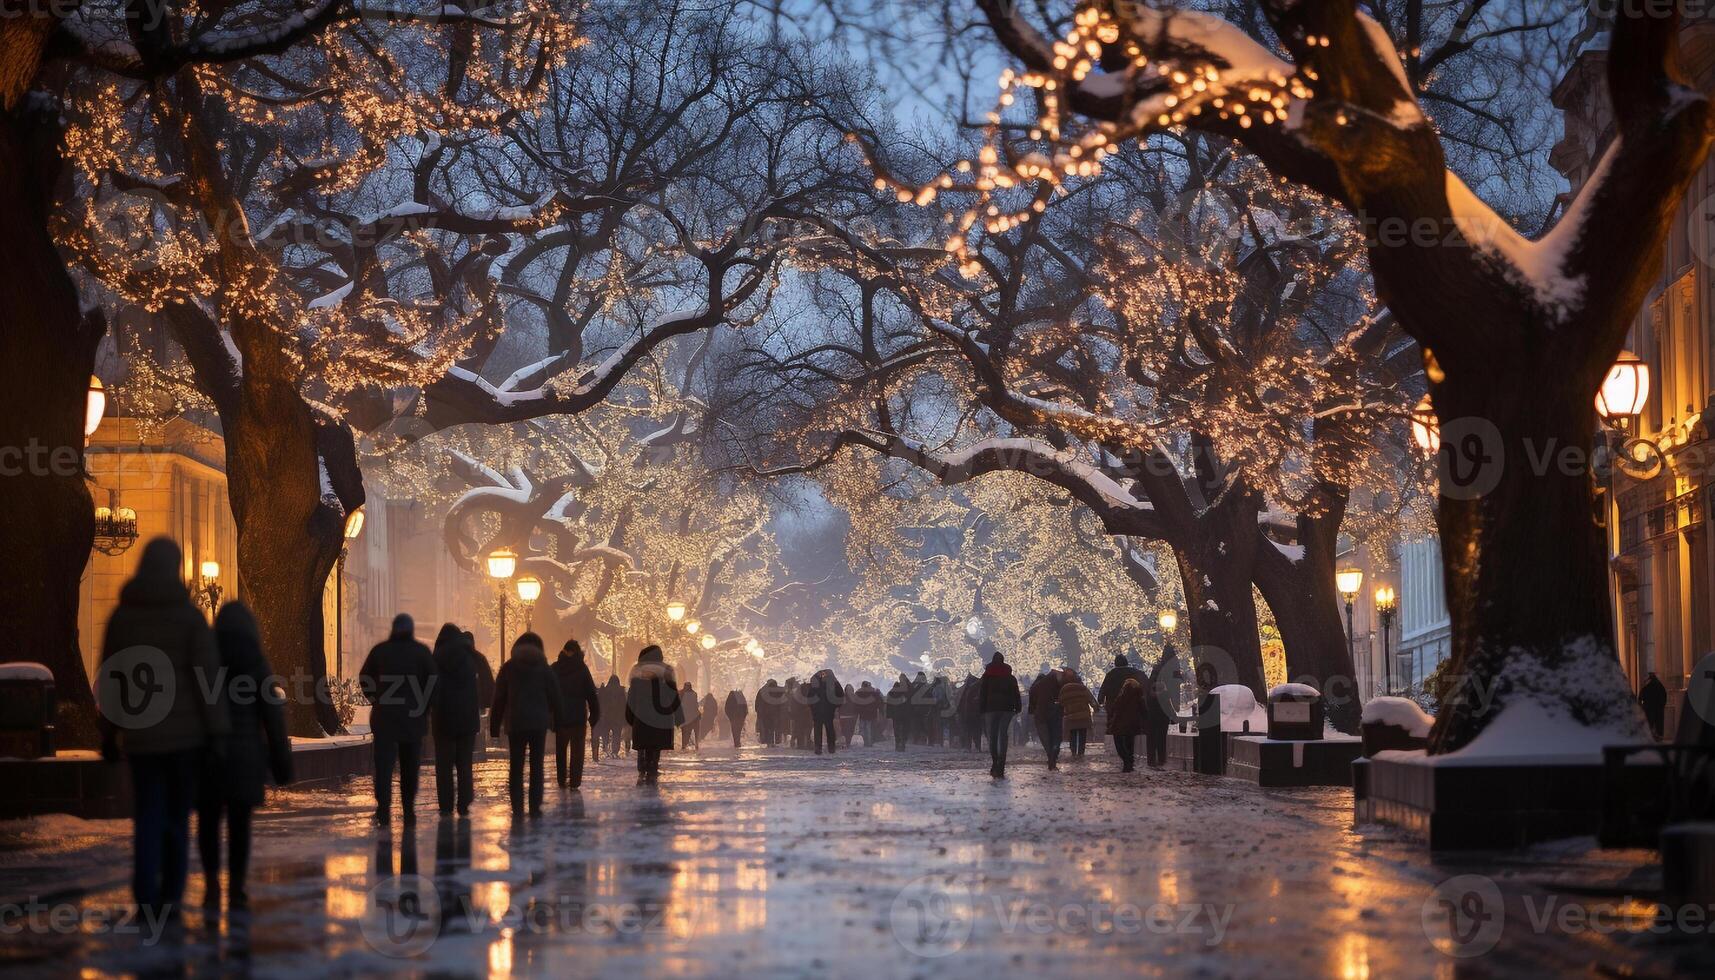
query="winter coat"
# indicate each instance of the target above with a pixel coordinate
(708, 715)
(848, 704)
(527, 694)
(398, 678)
(1044, 698)
(866, 701)
(825, 695)
(652, 706)
(970, 699)
(899, 700)
(1076, 705)
(1161, 706)
(693, 707)
(577, 690)
(256, 746)
(770, 697)
(484, 675)
(1116, 677)
(1125, 711)
(736, 709)
(457, 710)
(155, 613)
(612, 698)
(998, 690)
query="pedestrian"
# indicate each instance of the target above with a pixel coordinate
(1076, 712)
(1652, 697)
(765, 713)
(653, 710)
(899, 711)
(922, 708)
(969, 714)
(736, 710)
(1125, 721)
(1116, 677)
(155, 612)
(398, 679)
(804, 718)
(613, 715)
(940, 711)
(1161, 707)
(583, 712)
(254, 747)
(824, 696)
(708, 715)
(456, 719)
(693, 711)
(484, 675)
(1045, 712)
(527, 702)
(998, 701)
(867, 702)
(848, 718)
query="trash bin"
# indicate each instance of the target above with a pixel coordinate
(26, 711)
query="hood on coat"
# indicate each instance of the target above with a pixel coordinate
(529, 649)
(448, 637)
(998, 669)
(235, 618)
(650, 670)
(156, 581)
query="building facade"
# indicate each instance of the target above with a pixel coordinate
(1661, 559)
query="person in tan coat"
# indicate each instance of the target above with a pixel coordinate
(1077, 713)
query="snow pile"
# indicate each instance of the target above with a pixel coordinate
(1400, 713)
(1527, 732)
(1293, 691)
(25, 671)
(1239, 707)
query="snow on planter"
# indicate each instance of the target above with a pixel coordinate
(1300, 691)
(1239, 707)
(25, 671)
(1400, 713)
(1527, 732)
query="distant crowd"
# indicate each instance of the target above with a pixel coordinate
(214, 752)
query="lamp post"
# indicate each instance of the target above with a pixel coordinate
(1386, 603)
(1349, 581)
(95, 406)
(502, 562)
(1168, 620)
(529, 590)
(353, 527)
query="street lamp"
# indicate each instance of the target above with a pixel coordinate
(208, 586)
(529, 590)
(676, 610)
(692, 627)
(1168, 620)
(1625, 390)
(353, 527)
(94, 407)
(1386, 603)
(502, 562)
(1425, 427)
(1349, 581)
(709, 641)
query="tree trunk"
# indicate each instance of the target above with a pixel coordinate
(1221, 611)
(1523, 559)
(1307, 609)
(47, 353)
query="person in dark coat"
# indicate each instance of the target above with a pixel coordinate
(484, 674)
(653, 710)
(998, 700)
(164, 749)
(899, 711)
(866, 702)
(456, 719)
(922, 708)
(847, 717)
(693, 709)
(736, 710)
(1652, 697)
(708, 715)
(1116, 677)
(1045, 712)
(1161, 706)
(255, 747)
(803, 715)
(527, 701)
(612, 699)
(969, 715)
(1125, 722)
(825, 696)
(398, 679)
(583, 711)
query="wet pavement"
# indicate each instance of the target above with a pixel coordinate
(774, 863)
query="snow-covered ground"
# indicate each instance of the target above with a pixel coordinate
(873, 864)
